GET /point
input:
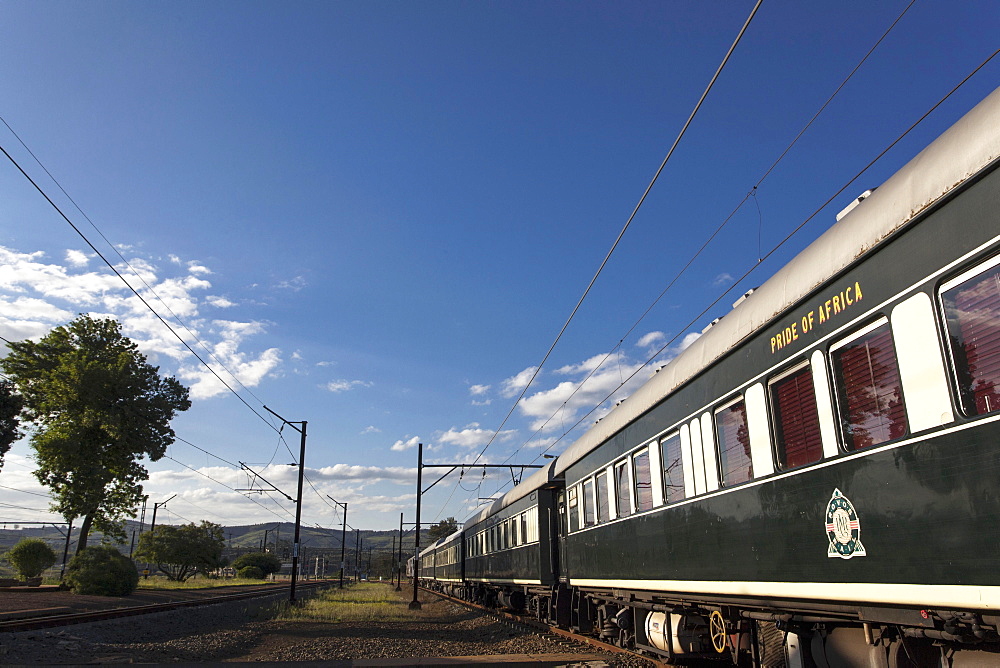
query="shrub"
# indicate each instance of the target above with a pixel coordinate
(102, 570)
(250, 573)
(267, 563)
(30, 557)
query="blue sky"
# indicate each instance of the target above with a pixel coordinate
(380, 214)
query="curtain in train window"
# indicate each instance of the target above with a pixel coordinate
(643, 481)
(574, 509)
(523, 518)
(972, 309)
(871, 397)
(622, 486)
(673, 469)
(796, 419)
(588, 502)
(734, 444)
(603, 500)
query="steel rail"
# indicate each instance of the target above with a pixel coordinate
(554, 630)
(68, 619)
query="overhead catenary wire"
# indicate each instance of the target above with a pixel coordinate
(752, 193)
(127, 263)
(134, 291)
(776, 247)
(628, 222)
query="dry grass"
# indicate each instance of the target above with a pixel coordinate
(194, 583)
(359, 602)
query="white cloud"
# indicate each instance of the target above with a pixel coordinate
(722, 279)
(198, 268)
(338, 386)
(512, 386)
(651, 340)
(559, 408)
(478, 390)
(293, 284)
(371, 429)
(403, 445)
(77, 258)
(473, 436)
(219, 302)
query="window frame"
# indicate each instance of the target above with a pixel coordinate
(838, 399)
(959, 394)
(720, 460)
(635, 479)
(777, 434)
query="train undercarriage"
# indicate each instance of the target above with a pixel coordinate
(766, 634)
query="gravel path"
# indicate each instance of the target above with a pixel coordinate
(247, 632)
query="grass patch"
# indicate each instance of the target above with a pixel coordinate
(358, 602)
(195, 583)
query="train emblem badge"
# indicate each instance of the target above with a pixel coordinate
(843, 528)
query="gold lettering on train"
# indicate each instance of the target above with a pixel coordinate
(834, 305)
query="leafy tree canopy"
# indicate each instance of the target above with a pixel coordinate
(30, 557)
(180, 552)
(443, 528)
(266, 562)
(97, 408)
(11, 404)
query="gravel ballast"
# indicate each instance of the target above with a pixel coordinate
(247, 632)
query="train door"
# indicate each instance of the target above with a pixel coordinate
(563, 527)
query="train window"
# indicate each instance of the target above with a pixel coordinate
(515, 532)
(603, 500)
(588, 502)
(866, 375)
(972, 311)
(643, 480)
(574, 509)
(796, 418)
(673, 469)
(622, 487)
(734, 444)
(524, 527)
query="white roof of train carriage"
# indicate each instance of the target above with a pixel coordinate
(533, 482)
(960, 152)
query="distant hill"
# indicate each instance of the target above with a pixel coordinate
(239, 539)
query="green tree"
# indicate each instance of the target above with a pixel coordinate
(97, 408)
(180, 552)
(30, 557)
(11, 404)
(442, 529)
(103, 571)
(266, 562)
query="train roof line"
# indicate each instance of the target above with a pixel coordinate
(963, 150)
(960, 152)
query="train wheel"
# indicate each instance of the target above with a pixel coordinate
(717, 630)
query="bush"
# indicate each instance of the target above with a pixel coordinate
(267, 563)
(102, 570)
(30, 557)
(250, 573)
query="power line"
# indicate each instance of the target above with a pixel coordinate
(621, 234)
(697, 254)
(781, 243)
(218, 482)
(134, 291)
(127, 263)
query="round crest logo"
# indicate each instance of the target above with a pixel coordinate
(843, 528)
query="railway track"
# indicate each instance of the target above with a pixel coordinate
(554, 633)
(46, 621)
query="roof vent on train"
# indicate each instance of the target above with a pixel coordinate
(711, 325)
(850, 207)
(745, 295)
